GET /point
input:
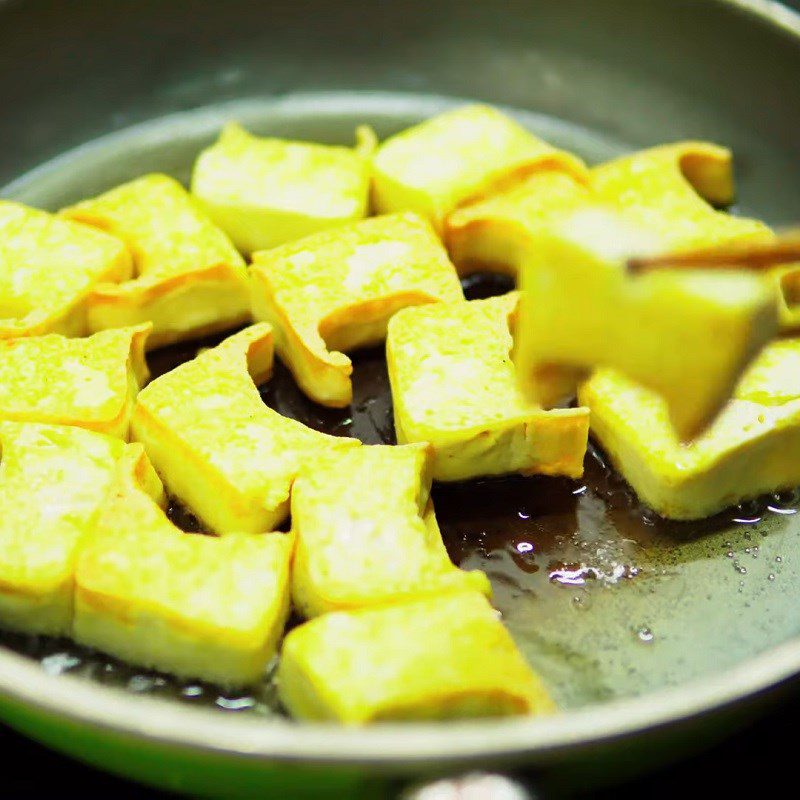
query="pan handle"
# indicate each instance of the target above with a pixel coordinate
(470, 786)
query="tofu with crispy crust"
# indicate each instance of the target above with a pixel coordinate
(458, 156)
(90, 382)
(49, 268)
(266, 191)
(432, 658)
(493, 233)
(189, 278)
(335, 291)
(220, 450)
(753, 447)
(687, 334)
(193, 605)
(672, 190)
(367, 533)
(667, 189)
(53, 481)
(454, 386)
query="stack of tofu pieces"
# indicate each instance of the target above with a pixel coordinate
(276, 236)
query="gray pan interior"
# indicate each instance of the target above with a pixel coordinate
(96, 93)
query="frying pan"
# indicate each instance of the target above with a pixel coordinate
(655, 638)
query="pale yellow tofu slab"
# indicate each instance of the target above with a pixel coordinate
(221, 451)
(752, 448)
(53, 481)
(432, 658)
(494, 232)
(48, 269)
(687, 334)
(454, 385)
(91, 382)
(189, 278)
(194, 605)
(366, 533)
(666, 189)
(672, 190)
(264, 191)
(455, 157)
(336, 291)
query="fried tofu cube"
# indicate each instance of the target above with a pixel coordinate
(753, 446)
(493, 233)
(686, 334)
(193, 605)
(91, 383)
(189, 278)
(455, 157)
(366, 533)
(221, 451)
(48, 269)
(671, 190)
(53, 481)
(666, 189)
(454, 385)
(428, 659)
(263, 192)
(335, 291)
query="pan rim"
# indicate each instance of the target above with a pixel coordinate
(116, 712)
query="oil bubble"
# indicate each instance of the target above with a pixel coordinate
(645, 634)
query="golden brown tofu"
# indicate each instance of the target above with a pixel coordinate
(454, 385)
(189, 278)
(48, 269)
(433, 658)
(753, 447)
(687, 334)
(336, 291)
(671, 189)
(665, 189)
(89, 382)
(194, 605)
(458, 156)
(366, 533)
(53, 481)
(221, 451)
(493, 233)
(265, 191)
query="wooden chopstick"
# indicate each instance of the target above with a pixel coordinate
(783, 250)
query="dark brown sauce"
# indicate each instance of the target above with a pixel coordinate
(527, 533)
